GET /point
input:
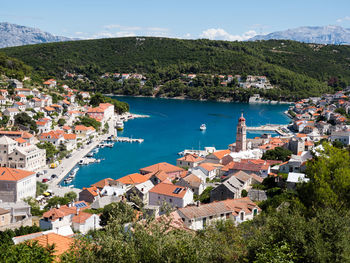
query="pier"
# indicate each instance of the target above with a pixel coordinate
(280, 129)
(127, 139)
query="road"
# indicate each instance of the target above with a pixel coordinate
(67, 164)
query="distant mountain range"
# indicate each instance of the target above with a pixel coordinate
(16, 35)
(311, 34)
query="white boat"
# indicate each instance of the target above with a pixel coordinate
(203, 127)
(68, 180)
(119, 125)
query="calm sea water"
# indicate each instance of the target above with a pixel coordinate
(173, 127)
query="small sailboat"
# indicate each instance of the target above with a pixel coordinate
(203, 127)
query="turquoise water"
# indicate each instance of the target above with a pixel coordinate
(173, 127)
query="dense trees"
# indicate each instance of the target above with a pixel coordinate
(13, 68)
(119, 106)
(51, 150)
(310, 229)
(24, 252)
(297, 69)
(120, 212)
(329, 174)
(87, 121)
(279, 153)
(23, 119)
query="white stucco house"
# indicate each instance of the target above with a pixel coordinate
(16, 184)
(237, 210)
(173, 195)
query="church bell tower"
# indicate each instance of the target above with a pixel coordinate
(241, 135)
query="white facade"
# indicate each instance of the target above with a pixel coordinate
(28, 157)
(17, 190)
(158, 199)
(198, 217)
(92, 223)
(26, 187)
(341, 136)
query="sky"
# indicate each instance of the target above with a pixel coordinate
(192, 19)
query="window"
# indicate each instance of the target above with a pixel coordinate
(3, 218)
(227, 215)
(210, 217)
(255, 212)
(241, 215)
(204, 221)
(222, 215)
(170, 200)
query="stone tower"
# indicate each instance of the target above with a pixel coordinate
(241, 137)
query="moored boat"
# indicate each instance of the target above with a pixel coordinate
(203, 127)
(119, 125)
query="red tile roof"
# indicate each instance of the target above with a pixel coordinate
(62, 243)
(166, 167)
(92, 190)
(83, 128)
(191, 158)
(168, 190)
(221, 154)
(81, 217)
(134, 178)
(233, 206)
(21, 140)
(11, 174)
(69, 136)
(207, 166)
(103, 183)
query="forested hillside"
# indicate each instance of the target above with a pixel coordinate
(297, 69)
(13, 68)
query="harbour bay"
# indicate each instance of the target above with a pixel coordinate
(172, 127)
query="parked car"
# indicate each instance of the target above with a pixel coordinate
(68, 156)
(54, 176)
(45, 180)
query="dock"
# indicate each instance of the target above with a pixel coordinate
(278, 128)
(128, 139)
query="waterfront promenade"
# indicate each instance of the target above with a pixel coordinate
(280, 129)
(68, 164)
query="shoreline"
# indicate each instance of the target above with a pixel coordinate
(67, 165)
(64, 168)
(183, 98)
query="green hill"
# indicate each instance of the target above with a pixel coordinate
(13, 68)
(298, 69)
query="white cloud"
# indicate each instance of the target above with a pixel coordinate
(124, 28)
(157, 29)
(114, 34)
(221, 34)
(346, 18)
